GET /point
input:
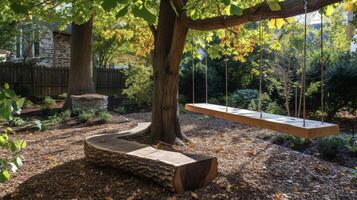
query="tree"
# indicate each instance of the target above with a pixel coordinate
(173, 25)
(175, 18)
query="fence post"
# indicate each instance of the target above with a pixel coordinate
(33, 72)
(95, 77)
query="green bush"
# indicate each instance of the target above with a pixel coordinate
(28, 103)
(104, 116)
(120, 110)
(139, 85)
(329, 147)
(85, 116)
(10, 164)
(48, 103)
(295, 143)
(9, 103)
(352, 148)
(268, 105)
(52, 120)
(16, 122)
(242, 98)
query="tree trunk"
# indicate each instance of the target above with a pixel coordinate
(169, 43)
(81, 73)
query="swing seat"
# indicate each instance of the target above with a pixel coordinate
(289, 125)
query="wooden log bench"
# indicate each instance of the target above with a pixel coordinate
(173, 170)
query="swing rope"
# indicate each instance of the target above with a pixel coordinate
(304, 67)
(260, 71)
(322, 68)
(226, 66)
(206, 62)
(193, 81)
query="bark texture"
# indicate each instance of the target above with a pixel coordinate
(81, 73)
(169, 43)
(289, 8)
(173, 170)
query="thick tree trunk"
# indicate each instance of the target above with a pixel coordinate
(81, 73)
(169, 43)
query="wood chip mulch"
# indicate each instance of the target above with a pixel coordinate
(249, 167)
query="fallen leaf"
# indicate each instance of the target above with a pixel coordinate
(194, 195)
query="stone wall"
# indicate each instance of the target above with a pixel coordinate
(46, 49)
(62, 49)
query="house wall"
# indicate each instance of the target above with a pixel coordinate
(62, 49)
(45, 57)
(46, 50)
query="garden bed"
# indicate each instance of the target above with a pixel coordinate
(248, 167)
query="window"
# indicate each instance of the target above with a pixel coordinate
(28, 43)
(18, 46)
(36, 44)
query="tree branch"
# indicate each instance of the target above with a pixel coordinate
(259, 12)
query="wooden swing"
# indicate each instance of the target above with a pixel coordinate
(300, 127)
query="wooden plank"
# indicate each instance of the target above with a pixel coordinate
(289, 125)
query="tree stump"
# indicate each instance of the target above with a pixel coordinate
(89, 102)
(173, 170)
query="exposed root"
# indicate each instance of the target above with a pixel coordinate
(179, 142)
(187, 139)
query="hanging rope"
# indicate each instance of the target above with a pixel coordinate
(304, 67)
(322, 68)
(260, 71)
(193, 81)
(206, 59)
(226, 66)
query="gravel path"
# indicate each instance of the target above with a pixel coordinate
(249, 168)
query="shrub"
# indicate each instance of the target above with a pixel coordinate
(85, 116)
(120, 110)
(268, 105)
(139, 84)
(48, 102)
(9, 103)
(16, 122)
(52, 120)
(242, 98)
(10, 164)
(295, 143)
(329, 147)
(62, 96)
(104, 116)
(28, 103)
(352, 148)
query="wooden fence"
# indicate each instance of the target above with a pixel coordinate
(29, 80)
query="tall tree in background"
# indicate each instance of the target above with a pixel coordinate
(81, 71)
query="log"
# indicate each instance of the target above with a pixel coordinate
(175, 171)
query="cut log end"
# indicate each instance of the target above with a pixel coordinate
(175, 171)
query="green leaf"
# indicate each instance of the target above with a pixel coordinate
(144, 13)
(3, 141)
(6, 109)
(18, 161)
(23, 144)
(227, 2)
(122, 12)
(274, 5)
(107, 5)
(4, 176)
(13, 167)
(235, 10)
(6, 86)
(18, 8)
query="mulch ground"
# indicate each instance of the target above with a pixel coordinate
(249, 167)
